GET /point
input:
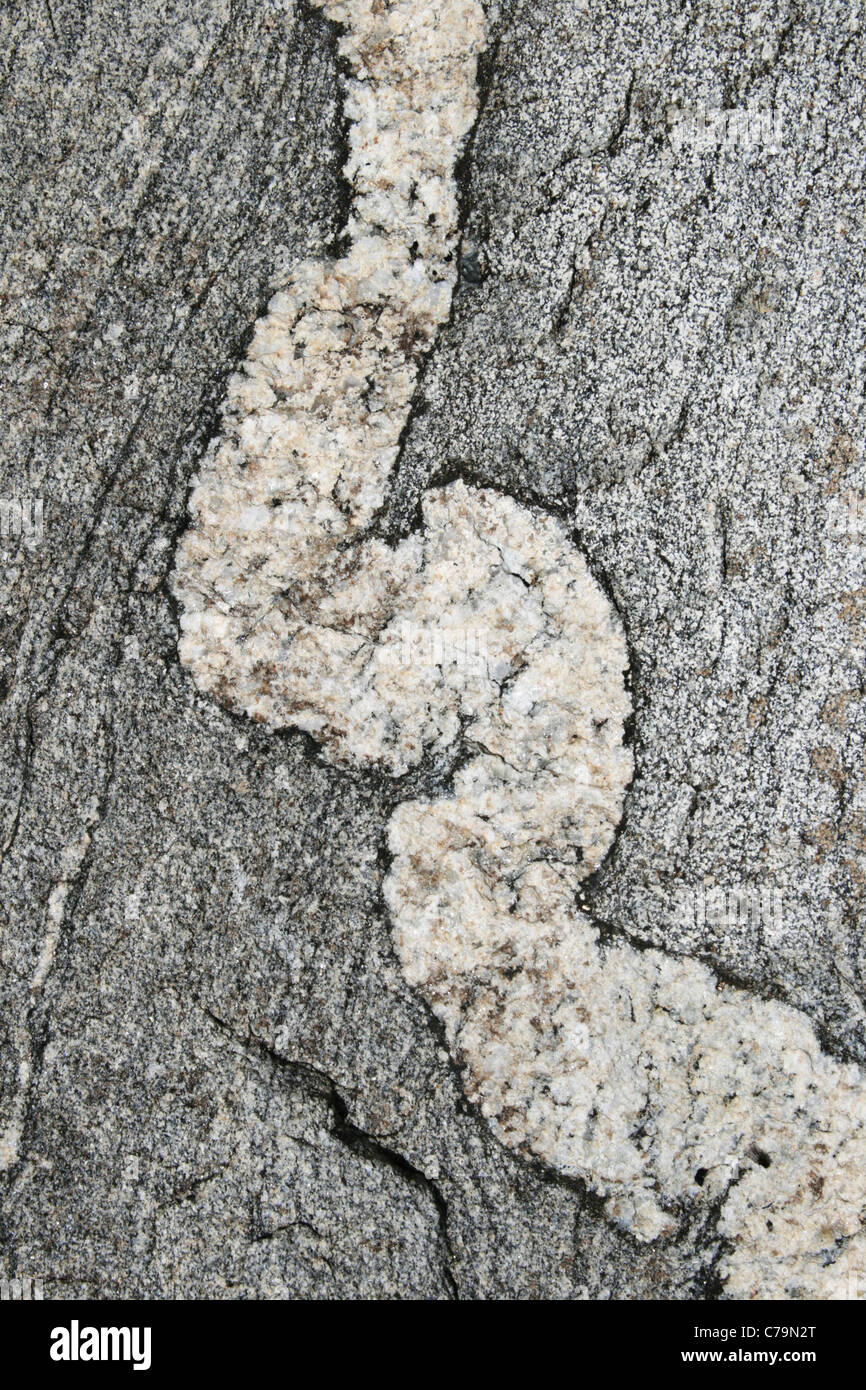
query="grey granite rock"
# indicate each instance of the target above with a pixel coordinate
(668, 346)
(224, 1087)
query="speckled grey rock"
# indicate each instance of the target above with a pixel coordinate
(223, 1084)
(668, 345)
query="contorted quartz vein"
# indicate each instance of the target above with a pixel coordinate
(638, 1072)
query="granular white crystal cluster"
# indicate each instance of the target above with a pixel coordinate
(636, 1071)
(312, 424)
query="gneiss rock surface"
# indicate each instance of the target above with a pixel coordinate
(617, 1066)
(231, 1088)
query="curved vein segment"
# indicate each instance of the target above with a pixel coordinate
(486, 632)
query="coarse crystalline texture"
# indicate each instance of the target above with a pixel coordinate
(638, 1072)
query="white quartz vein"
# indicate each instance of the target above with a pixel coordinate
(639, 1073)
